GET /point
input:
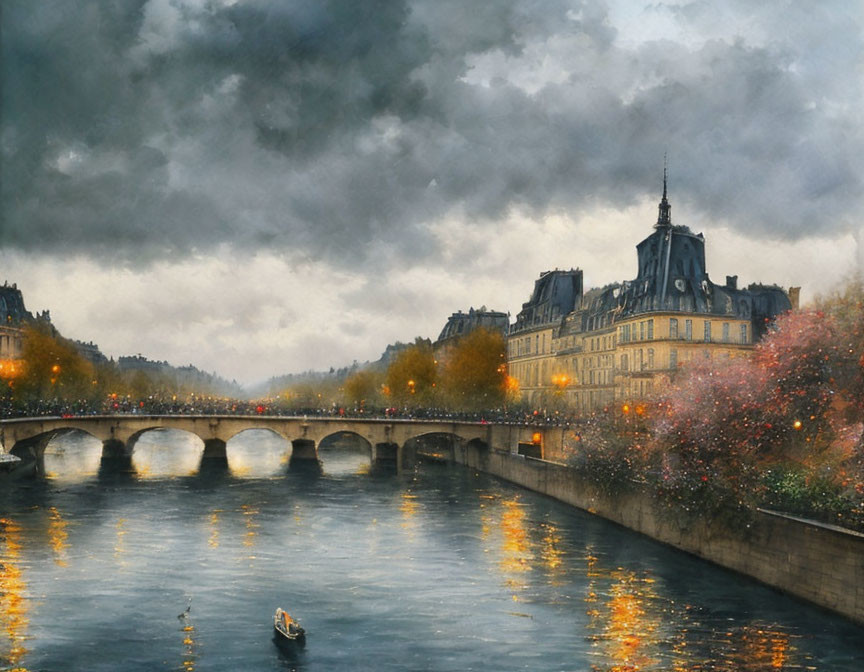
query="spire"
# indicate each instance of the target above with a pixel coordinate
(664, 218)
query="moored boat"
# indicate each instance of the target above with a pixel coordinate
(8, 462)
(286, 629)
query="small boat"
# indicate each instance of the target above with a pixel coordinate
(8, 462)
(287, 629)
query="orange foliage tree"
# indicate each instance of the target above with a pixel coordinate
(363, 388)
(412, 376)
(475, 372)
(52, 368)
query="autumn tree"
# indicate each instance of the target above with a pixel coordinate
(52, 368)
(363, 388)
(411, 378)
(475, 371)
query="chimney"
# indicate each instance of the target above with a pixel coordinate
(794, 297)
(731, 282)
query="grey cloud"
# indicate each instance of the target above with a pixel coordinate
(318, 128)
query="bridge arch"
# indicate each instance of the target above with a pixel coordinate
(33, 449)
(232, 435)
(135, 437)
(436, 445)
(160, 451)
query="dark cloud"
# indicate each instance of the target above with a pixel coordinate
(135, 130)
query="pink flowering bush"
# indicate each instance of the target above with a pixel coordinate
(782, 429)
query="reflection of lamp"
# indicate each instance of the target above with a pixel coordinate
(411, 386)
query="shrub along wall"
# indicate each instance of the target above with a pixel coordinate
(819, 563)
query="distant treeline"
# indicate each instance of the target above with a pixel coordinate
(52, 368)
(469, 373)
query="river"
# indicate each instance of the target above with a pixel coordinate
(440, 568)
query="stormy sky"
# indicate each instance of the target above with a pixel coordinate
(264, 186)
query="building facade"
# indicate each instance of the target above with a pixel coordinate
(14, 317)
(623, 342)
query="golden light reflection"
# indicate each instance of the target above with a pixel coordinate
(551, 553)
(634, 628)
(408, 507)
(58, 536)
(120, 541)
(756, 646)
(213, 541)
(14, 606)
(249, 513)
(623, 616)
(516, 552)
(190, 645)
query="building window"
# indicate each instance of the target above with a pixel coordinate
(707, 331)
(743, 333)
(651, 359)
(673, 328)
(624, 363)
(688, 330)
(642, 331)
(725, 332)
(673, 359)
(650, 330)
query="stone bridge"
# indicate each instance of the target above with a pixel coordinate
(391, 441)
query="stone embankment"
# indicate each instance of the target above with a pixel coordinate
(822, 564)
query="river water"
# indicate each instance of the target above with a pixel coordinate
(437, 569)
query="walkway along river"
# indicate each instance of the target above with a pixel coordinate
(437, 568)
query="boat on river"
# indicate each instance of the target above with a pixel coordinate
(286, 629)
(8, 462)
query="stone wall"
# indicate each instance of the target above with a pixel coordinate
(819, 563)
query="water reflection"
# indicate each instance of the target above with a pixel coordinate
(249, 514)
(190, 645)
(591, 596)
(408, 506)
(633, 626)
(57, 536)
(213, 541)
(120, 541)
(345, 454)
(14, 606)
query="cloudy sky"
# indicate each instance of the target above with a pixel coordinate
(266, 186)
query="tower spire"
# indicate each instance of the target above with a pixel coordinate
(664, 218)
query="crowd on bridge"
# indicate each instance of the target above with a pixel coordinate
(115, 405)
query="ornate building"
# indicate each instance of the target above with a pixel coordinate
(13, 318)
(623, 341)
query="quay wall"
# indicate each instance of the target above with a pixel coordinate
(822, 564)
